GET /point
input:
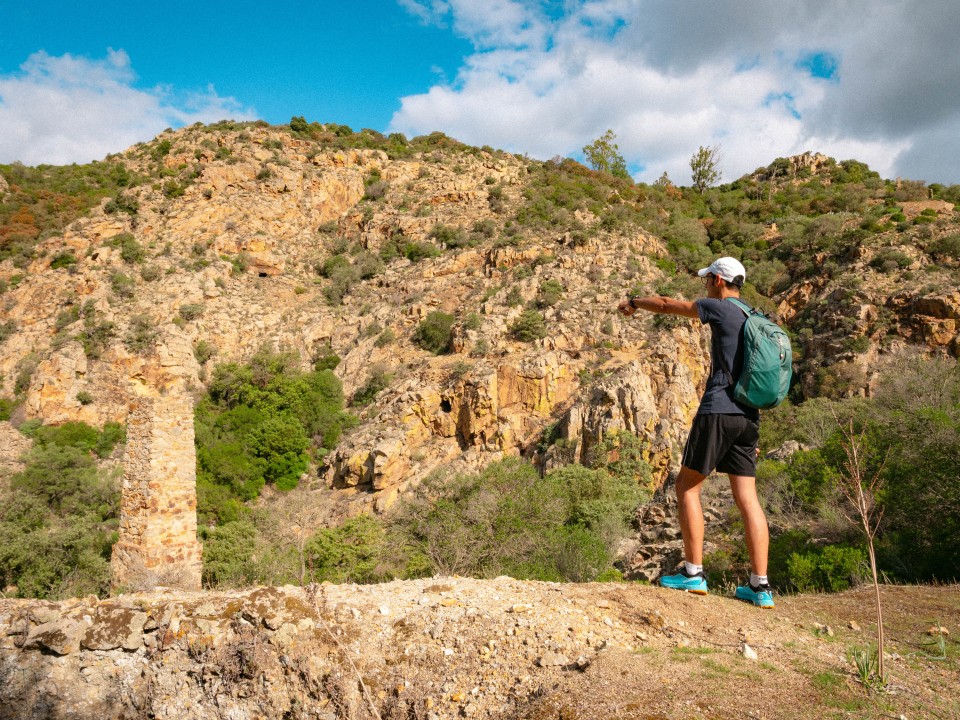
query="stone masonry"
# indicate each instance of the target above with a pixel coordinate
(158, 517)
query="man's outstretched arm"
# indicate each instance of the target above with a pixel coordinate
(659, 304)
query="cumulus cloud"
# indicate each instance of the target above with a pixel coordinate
(865, 79)
(68, 109)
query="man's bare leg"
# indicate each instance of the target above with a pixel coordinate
(688, 486)
(754, 521)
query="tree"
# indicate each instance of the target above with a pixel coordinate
(603, 154)
(705, 167)
(860, 486)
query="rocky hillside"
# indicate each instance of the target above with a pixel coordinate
(214, 241)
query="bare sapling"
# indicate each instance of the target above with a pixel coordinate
(860, 487)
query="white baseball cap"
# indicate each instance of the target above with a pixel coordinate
(727, 268)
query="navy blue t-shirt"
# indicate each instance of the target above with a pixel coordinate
(726, 329)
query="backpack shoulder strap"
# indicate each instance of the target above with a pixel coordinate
(742, 305)
(747, 310)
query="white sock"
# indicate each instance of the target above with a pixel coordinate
(692, 569)
(758, 580)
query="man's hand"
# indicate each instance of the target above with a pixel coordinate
(626, 308)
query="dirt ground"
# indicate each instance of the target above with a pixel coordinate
(694, 667)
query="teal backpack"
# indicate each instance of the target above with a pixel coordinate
(767, 361)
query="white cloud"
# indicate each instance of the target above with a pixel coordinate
(668, 77)
(66, 109)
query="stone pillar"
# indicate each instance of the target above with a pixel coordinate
(158, 542)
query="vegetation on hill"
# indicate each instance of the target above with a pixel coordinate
(58, 518)
(912, 437)
(259, 423)
(508, 519)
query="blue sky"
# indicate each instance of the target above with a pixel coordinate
(873, 80)
(325, 60)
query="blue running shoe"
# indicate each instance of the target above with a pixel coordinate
(760, 596)
(696, 584)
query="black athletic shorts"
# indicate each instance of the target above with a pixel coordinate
(725, 443)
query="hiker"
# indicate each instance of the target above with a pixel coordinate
(723, 435)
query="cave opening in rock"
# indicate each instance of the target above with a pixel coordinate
(446, 406)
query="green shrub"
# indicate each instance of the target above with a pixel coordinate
(510, 520)
(227, 553)
(141, 334)
(190, 311)
(379, 380)
(450, 237)
(58, 516)
(7, 330)
(890, 260)
(259, 423)
(95, 337)
(551, 292)
(435, 332)
(67, 317)
(65, 259)
(122, 203)
(830, 569)
(130, 250)
(203, 351)
(417, 251)
(150, 273)
(528, 327)
(386, 337)
(7, 406)
(350, 553)
(123, 286)
(24, 373)
(946, 247)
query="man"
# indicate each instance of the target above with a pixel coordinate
(723, 435)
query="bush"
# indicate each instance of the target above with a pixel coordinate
(528, 327)
(63, 260)
(203, 351)
(947, 247)
(123, 286)
(551, 292)
(58, 516)
(435, 332)
(450, 237)
(351, 552)
(7, 330)
(258, 424)
(830, 569)
(227, 552)
(130, 250)
(190, 311)
(95, 338)
(417, 251)
(510, 520)
(7, 406)
(142, 334)
(379, 379)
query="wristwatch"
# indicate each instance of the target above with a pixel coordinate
(632, 304)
